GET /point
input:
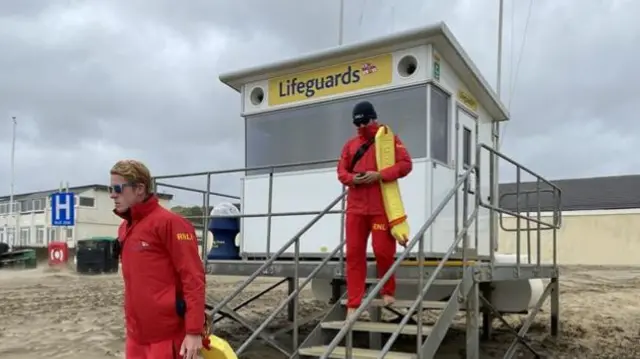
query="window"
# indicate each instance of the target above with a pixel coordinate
(2, 240)
(25, 236)
(11, 236)
(69, 233)
(39, 204)
(52, 235)
(4, 208)
(318, 132)
(26, 205)
(439, 129)
(86, 202)
(466, 147)
(39, 234)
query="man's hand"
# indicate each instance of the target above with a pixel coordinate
(358, 179)
(370, 177)
(191, 346)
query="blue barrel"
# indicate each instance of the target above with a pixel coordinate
(224, 232)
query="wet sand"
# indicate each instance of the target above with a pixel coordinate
(45, 314)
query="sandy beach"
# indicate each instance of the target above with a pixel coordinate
(45, 314)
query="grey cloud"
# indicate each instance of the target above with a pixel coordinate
(92, 82)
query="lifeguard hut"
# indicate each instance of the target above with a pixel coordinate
(425, 87)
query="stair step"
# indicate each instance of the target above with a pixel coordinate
(377, 327)
(428, 304)
(357, 353)
(412, 281)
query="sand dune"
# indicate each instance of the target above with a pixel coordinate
(65, 315)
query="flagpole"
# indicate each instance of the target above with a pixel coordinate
(11, 191)
(341, 24)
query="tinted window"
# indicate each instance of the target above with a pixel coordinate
(466, 147)
(318, 132)
(439, 125)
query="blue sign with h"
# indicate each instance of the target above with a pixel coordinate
(63, 209)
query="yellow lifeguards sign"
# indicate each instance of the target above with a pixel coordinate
(332, 80)
(468, 100)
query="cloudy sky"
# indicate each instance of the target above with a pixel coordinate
(91, 82)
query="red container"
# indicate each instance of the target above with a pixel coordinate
(58, 253)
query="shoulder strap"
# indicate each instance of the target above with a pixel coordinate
(360, 152)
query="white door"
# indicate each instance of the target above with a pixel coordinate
(466, 126)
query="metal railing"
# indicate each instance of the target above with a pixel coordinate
(207, 193)
(536, 220)
(418, 239)
(272, 257)
(297, 286)
(460, 235)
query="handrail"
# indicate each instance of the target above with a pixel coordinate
(247, 169)
(414, 306)
(557, 213)
(273, 258)
(294, 294)
(206, 194)
(276, 214)
(348, 325)
(540, 225)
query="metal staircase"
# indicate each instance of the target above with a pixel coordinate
(318, 344)
(337, 337)
(424, 348)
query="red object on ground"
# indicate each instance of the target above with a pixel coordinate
(58, 253)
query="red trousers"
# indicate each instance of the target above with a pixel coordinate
(358, 228)
(167, 349)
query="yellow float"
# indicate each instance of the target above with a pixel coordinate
(214, 347)
(217, 348)
(385, 145)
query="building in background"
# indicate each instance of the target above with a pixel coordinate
(94, 217)
(600, 221)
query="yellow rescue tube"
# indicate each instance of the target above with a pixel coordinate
(385, 145)
(218, 349)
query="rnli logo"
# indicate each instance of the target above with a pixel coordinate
(379, 227)
(142, 246)
(184, 236)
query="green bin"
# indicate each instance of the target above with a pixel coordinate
(20, 259)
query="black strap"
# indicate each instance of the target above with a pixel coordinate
(360, 152)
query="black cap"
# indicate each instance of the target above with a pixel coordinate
(363, 112)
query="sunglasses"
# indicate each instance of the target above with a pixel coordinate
(359, 121)
(118, 188)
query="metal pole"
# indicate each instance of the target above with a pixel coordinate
(66, 229)
(499, 62)
(496, 129)
(206, 219)
(58, 229)
(13, 175)
(341, 24)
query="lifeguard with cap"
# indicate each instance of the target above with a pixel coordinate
(359, 169)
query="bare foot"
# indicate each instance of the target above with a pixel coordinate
(388, 300)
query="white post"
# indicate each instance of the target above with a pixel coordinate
(496, 131)
(11, 241)
(58, 231)
(499, 62)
